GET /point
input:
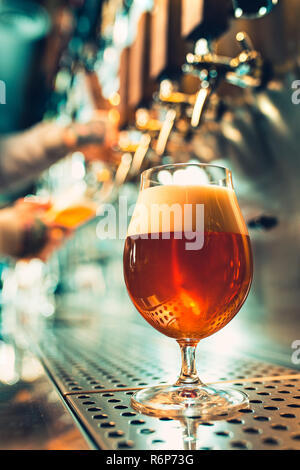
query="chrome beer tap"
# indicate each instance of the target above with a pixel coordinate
(246, 70)
(175, 108)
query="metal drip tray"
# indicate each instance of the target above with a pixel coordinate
(97, 371)
(271, 422)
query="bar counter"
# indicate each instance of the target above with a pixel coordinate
(71, 384)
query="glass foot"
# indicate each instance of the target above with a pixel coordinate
(201, 401)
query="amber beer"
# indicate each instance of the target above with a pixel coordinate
(73, 216)
(187, 293)
(71, 208)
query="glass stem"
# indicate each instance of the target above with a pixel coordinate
(188, 374)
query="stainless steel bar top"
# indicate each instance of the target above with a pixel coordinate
(96, 370)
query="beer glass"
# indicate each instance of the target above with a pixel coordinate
(188, 271)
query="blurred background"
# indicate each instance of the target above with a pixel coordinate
(95, 91)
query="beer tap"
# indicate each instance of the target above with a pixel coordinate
(246, 70)
(180, 112)
(154, 129)
(170, 114)
(175, 108)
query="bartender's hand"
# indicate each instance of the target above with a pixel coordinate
(25, 155)
(98, 139)
(24, 234)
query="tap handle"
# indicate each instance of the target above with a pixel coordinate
(169, 93)
(247, 68)
(244, 41)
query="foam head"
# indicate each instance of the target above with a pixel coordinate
(178, 208)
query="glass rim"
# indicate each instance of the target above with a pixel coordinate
(146, 173)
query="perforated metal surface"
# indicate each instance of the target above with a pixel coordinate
(131, 357)
(271, 422)
(98, 370)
